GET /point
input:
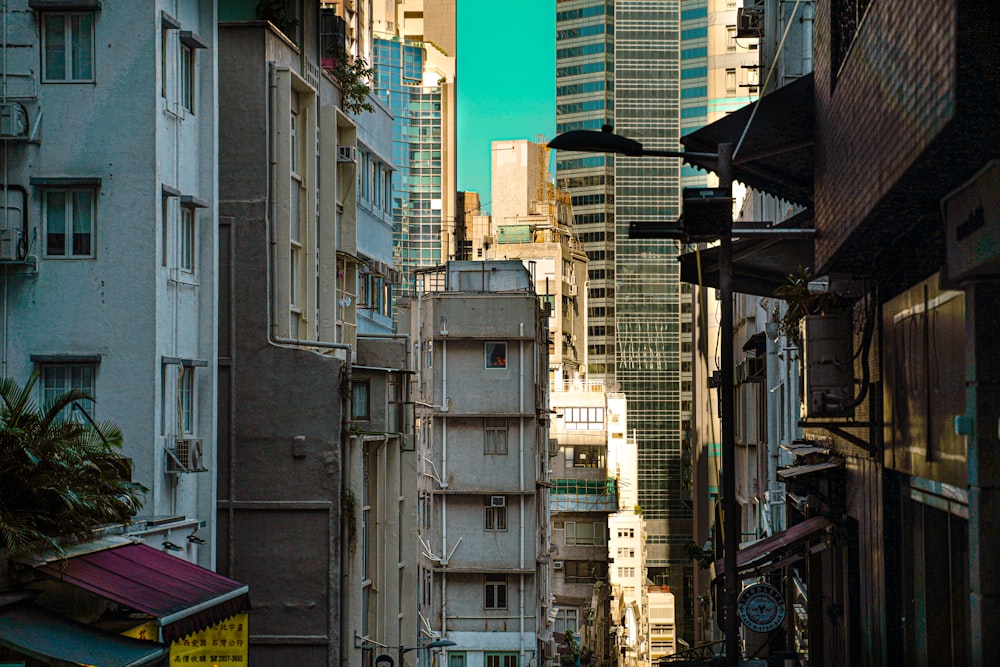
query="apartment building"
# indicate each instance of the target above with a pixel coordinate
(93, 300)
(626, 542)
(288, 223)
(481, 424)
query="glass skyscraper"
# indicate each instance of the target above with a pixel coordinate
(619, 62)
(417, 195)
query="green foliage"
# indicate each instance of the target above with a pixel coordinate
(569, 659)
(801, 302)
(276, 12)
(700, 556)
(352, 76)
(58, 478)
(349, 517)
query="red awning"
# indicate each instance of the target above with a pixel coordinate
(781, 548)
(182, 596)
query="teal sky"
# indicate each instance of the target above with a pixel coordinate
(506, 81)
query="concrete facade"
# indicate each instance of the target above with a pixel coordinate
(93, 299)
(481, 422)
(281, 466)
(533, 221)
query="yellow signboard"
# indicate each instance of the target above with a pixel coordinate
(224, 644)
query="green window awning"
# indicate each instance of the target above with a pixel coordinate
(57, 640)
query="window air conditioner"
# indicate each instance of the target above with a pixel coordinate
(10, 244)
(347, 154)
(557, 565)
(498, 501)
(187, 455)
(13, 120)
(573, 289)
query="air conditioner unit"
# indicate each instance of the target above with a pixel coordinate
(13, 120)
(557, 565)
(10, 244)
(498, 501)
(572, 289)
(187, 455)
(347, 154)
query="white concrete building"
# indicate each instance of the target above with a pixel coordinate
(109, 229)
(481, 422)
(626, 534)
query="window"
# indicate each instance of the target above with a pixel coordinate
(496, 355)
(626, 532)
(731, 81)
(165, 229)
(495, 513)
(730, 38)
(456, 659)
(57, 379)
(584, 571)
(427, 586)
(187, 72)
(496, 593)
(566, 619)
(501, 660)
(584, 456)
(584, 419)
(585, 534)
(494, 435)
(185, 399)
(69, 223)
(67, 47)
(361, 399)
(187, 239)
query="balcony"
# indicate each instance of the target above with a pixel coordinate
(584, 495)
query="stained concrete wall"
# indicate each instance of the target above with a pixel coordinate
(281, 407)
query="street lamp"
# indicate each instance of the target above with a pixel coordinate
(437, 643)
(606, 141)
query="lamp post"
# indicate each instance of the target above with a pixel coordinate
(608, 142)
(437, 643)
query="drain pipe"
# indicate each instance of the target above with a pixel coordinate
(807, 37)
(520, 473)
(772, 337)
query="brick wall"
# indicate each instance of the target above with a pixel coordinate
(893, 95)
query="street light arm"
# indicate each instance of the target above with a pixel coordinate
(606, 141)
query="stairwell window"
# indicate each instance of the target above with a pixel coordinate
(187, 239)
(495, 513)
(496, 593)
(68, 47)
(185, 400)
(495, 435)
(69, 222)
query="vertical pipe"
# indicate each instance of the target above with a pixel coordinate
(807, 37)
(731, 511)
(444, 484)
(771, 331)
(520, 486)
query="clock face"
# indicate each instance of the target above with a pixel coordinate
(761, 607)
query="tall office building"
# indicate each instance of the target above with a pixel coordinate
(619, 63)
(414, 60)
